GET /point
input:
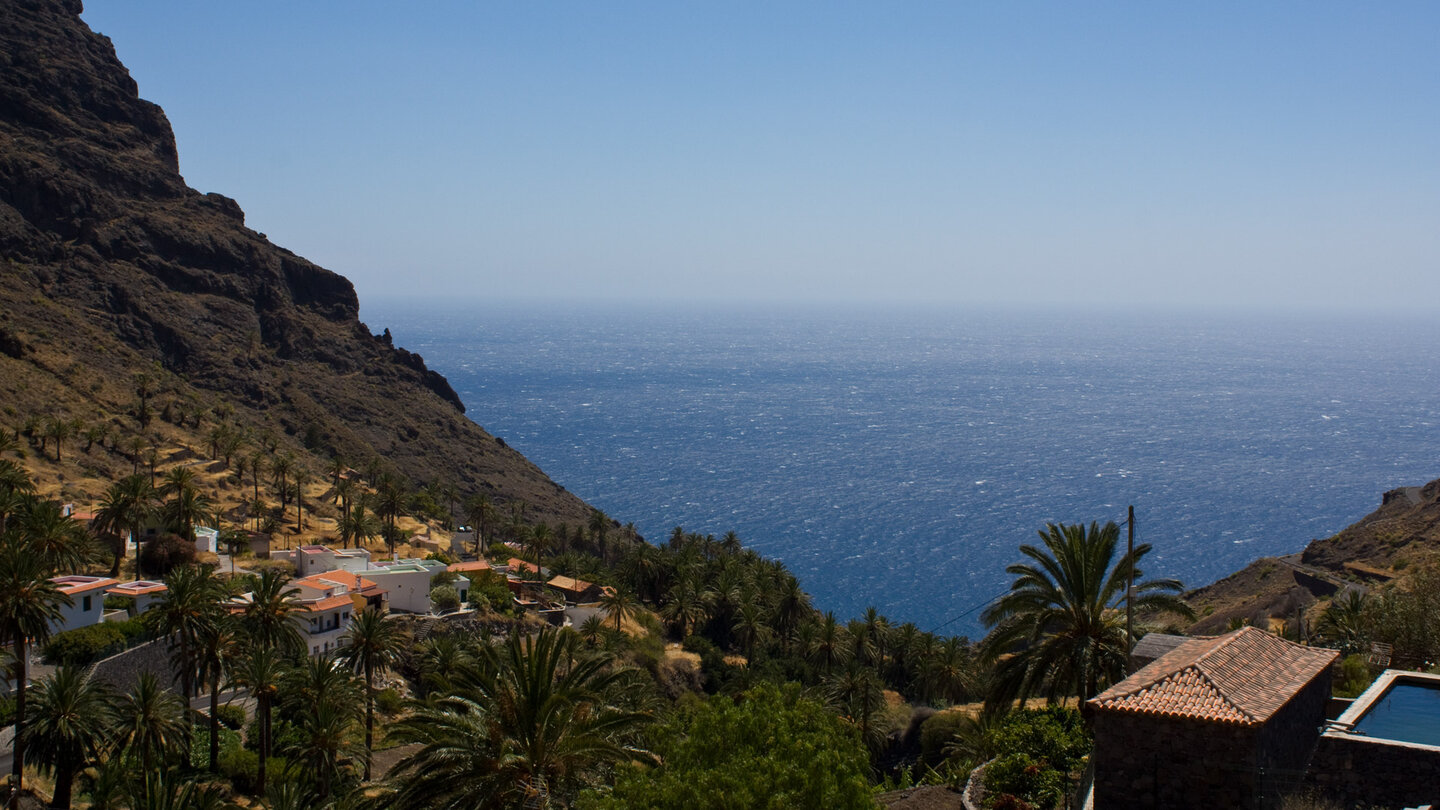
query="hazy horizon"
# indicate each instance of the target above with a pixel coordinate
(1120, 155)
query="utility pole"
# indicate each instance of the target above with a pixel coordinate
(1130, 585)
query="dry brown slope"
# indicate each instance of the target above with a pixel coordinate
(1404, 532)
(111, 266)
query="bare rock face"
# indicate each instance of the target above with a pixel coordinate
(111, 264)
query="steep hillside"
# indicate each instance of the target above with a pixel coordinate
(1402, 534)
(119, 283)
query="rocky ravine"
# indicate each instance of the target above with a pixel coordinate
(111, 266)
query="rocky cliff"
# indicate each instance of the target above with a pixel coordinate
(112, 269)
(1401, 535)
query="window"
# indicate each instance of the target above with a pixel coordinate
(85, 604)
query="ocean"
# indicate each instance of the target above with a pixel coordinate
(899, 457)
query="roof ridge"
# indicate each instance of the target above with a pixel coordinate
(1224, 695)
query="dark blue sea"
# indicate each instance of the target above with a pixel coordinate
(897, 458)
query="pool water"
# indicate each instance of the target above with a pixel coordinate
(1408, 712)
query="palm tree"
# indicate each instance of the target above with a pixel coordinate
(59, 429)
(619, 604)
(150, 722)
(177, 480)
(390, 505)
(829, 648)
(322, 694)
(357, 525)
(371, 646)
(302, 481)
(532, 721)
(270, 618)
(792, 605)
(750, 626)
(1343, 622)
(949, 671)
(215, 646)
(259, 670)
(190, 603)
(481, 514)
(540, 541)
(69, 725)
(125, 507)
(1062, 619)
(324, 735)
(29, 606)
(685, 606)
(859, 695)
(188, 508)
(61, 541)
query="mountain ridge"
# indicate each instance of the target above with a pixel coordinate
(114, 269)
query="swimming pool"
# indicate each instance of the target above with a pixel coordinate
(1408, 711)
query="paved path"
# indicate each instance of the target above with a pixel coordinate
(1292, 561)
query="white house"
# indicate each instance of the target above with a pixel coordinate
(326, 607)
(207, 540)
(87, 595)
(407, 583)
(317, 559)
(144, 592)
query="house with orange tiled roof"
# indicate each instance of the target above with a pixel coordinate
(468, 566)
(365, 592)
(87, 601)
(1223, 721)
(517, 568)
(576, 590)
(325, 610)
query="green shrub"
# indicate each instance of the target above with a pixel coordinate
(488, 590)
(133, 629)
(1055, 735)
(388, 701)
(84, 645)
(200, 744)
(242, 767)
(231, 716)
(1020, 776)
(935, 732)
(1355, 677)
(1042, 747)
(161, 555)
(117, 602)
(445, 598)
(7, 710)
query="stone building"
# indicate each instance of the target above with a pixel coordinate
(1226, 721)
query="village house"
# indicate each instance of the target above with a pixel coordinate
(408, 583)
(87, 597)
(143, 593)
(325, 609)
(317, 559)
(365, 593)
(576, 591)
(1226, 721)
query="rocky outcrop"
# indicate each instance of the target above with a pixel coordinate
(111, 266)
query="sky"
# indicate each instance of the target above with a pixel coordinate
(1249, 155)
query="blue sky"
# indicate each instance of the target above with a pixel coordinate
(1160, 154)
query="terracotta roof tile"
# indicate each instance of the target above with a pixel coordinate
(328, 603)
(1241, 677)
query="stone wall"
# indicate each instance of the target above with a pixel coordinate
(1363, 772)
(1150, 762)
(1288, 738)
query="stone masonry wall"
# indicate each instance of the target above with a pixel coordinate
(1154, 763)
(1361, 772)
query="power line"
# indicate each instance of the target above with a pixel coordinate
(960, 616)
